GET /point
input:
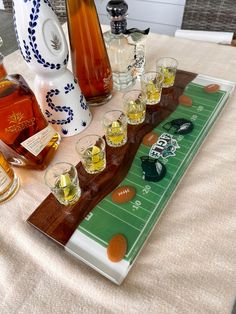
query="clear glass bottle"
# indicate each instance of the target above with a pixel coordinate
(26, 138)
(90, 61)
(126, 48)
(9, 182)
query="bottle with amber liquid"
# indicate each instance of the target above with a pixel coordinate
(90, 61)
(26, 138)
(9, 182)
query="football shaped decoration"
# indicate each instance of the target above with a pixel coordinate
(185, 101)
(123, 194)
(212, 88)
(150, 138)
(117, 247)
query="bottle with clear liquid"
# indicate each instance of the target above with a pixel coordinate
(90, 61)
(26, 138)
(126, 48)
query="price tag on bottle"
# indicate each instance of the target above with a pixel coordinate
(36, 143)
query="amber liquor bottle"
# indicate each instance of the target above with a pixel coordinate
(90, 61)
(26, 138)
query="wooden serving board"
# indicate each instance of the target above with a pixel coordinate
(59, 224)
(129, 196)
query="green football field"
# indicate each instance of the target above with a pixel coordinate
(136, 218)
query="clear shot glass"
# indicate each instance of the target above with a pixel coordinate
(134, 103)
(62, 179)
(115, 127)
(168, 67)
(151, 83)
(91, 149)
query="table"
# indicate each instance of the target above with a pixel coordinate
(188, 264)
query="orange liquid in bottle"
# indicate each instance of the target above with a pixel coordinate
(90, 61)
(21, 118)
(3, 72)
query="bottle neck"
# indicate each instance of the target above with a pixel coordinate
(8, 92)
(118, 26)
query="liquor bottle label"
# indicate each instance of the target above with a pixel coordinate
(4, 180)
(36, 143)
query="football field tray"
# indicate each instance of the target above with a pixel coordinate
(85, 229)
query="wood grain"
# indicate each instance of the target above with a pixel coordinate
(59, 222)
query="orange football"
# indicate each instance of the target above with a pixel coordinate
(212, 88)
(123, 194)
(185, 100)
(150, 138)
(117, 247)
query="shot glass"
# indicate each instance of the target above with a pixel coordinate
(167, 66)
(91, 149)
(134, 103)
(151, 83)
(115, 128)
(62, 179)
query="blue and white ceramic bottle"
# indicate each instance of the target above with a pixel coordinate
(43, 45)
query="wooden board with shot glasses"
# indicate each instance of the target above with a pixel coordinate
(119, 206)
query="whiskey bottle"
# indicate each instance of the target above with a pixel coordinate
(25, 136)
(9, 182)
(126, 47)
(90, 61)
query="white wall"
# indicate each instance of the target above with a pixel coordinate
(162, 16)
(1, 5)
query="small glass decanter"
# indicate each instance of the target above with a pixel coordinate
(126, 48)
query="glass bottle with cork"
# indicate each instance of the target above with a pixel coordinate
(90, 61)
(26, 138)
(126, 47)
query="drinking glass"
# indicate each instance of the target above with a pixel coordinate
(91, 149)
(62, 179)
(167, 66)
(134, 103)
(115, 127)
(151, 83)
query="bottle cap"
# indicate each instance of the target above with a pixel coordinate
(117, 10)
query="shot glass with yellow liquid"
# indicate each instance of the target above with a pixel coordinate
(134, 103)
(168, 67)
(62, 179)
(91, 149)
(115, 127)
(151, 83)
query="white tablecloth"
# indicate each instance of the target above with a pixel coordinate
(188, 264)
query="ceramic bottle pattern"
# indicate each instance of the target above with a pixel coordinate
(43, 46)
